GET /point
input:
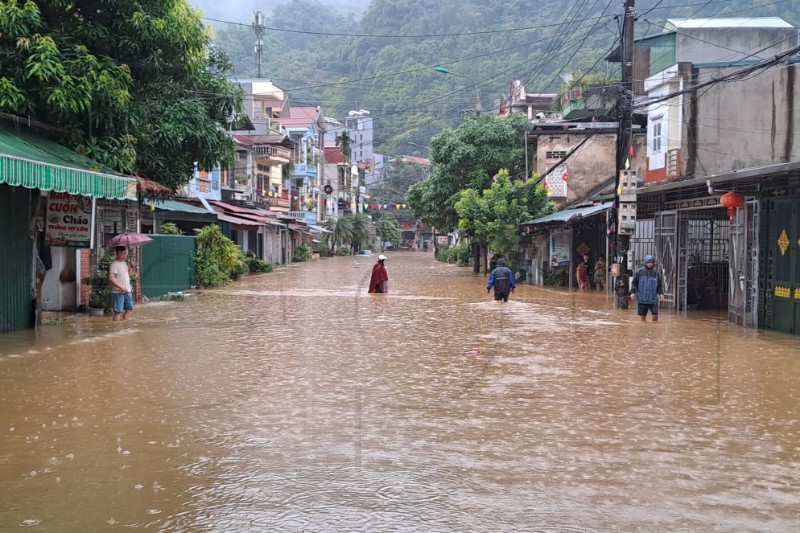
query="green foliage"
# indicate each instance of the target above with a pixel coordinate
(302, 253)
(555, 277)
(218, 259)
(170, 228)
(493, 216)
(389, 230)
(458, 254)
(467, 158)
(257, 265)
(134, 85)
(343, 250)
(351, 230)
(100, 295)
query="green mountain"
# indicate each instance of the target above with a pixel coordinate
(385, 62)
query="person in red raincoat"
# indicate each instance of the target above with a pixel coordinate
(379, 282)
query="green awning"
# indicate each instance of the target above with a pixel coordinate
(38, 163)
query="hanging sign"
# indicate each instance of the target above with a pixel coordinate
(68, 221)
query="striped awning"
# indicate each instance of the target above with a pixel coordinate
(38, 163)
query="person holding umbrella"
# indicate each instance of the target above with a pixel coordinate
(120, 281)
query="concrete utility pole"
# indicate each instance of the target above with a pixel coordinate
(258, 28)
(619, 244)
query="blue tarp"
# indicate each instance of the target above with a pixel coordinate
(568, 215)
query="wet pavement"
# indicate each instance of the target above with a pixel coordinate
(294, 401)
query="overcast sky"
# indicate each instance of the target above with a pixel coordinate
(242, 10)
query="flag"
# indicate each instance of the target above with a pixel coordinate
(619, 188)
(627, 163)
(564, 176)
(153, 206)
(630, 151)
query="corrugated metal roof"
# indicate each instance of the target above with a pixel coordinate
(177, 207)
(734, 22)
(568, 215)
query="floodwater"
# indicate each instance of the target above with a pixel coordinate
(294, 401)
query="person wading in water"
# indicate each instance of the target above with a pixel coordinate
(502, 279)
(379, 282)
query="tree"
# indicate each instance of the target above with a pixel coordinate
(341, 232)
(130, 83)
(344, 142)
(389, 230)
(362, 230)
(467, 158)
(492, 217)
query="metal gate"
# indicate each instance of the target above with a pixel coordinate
(167, 265)
(16, 260)
(743, 265)
(665, 238)
(692, 248)
(782, 287)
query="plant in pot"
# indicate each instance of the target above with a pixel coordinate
(100, 296)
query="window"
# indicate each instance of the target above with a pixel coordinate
(657, 142)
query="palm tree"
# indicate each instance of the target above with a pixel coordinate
(344, 142)
(342, 232)
(362, 230)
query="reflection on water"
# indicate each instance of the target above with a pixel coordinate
(294, 401)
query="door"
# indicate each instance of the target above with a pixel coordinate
(782, 287)
(737, 268)
(665, 238)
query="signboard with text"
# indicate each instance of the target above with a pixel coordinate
(559, 248)
(68, 221)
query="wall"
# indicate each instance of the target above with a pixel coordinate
(591, 165)
(742, 124)
(733, 44)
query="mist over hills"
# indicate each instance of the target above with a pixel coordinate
(384, 61)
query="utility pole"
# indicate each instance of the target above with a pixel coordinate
(258, 28)
(620, 240)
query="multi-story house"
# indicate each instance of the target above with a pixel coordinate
(302, 187)
(352, 182)
(721, 193)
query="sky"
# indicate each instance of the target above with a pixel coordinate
(242, 10)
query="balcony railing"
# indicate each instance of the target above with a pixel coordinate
(309, 217)
(273, 152)
(302, 169)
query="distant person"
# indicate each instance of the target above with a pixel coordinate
(502, 280)
(600, 273)
(582, 273)
(647, 289)
(379, 282)
(120, 281)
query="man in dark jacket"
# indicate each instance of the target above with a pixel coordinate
(647, 289)
(502, 279)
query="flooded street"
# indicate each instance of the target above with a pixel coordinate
(294, 401)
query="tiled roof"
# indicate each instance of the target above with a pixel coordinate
(333, 154)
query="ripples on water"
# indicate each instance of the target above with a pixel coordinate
(294, 401)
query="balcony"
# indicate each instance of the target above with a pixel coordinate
(276, 155)
(309, 217)
(302, 169)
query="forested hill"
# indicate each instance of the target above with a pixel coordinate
(385, 61)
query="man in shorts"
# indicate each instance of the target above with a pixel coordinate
(647, 289)
(120, 281)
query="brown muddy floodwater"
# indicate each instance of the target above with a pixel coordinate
(294, 401)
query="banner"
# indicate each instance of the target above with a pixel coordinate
(68, 220)
(559, 248)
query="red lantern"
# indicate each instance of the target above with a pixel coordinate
(732, 200)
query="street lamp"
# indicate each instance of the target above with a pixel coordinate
(477, 91)
(412, 143)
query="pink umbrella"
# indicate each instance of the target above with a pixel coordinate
(129, 238)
